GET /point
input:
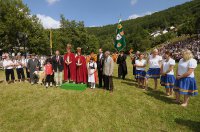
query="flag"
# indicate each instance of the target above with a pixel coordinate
(51, 44)
(120, 41)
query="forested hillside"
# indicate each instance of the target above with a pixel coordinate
(185, 17)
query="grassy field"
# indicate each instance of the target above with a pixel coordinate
(33, 108)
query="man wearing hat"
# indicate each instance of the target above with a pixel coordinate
(70, 65)
(81, 69)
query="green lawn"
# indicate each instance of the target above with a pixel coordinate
(33, 108)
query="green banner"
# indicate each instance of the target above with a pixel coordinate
(120, 41)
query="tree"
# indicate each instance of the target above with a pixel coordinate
(15, 19)
(188, 27)
(75, 33)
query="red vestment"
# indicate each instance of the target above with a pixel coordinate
(81, 71)
(71, 68)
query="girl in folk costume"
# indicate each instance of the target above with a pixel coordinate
(167, 72)
(70, 65)
(154, 61)
(81, 69)
(92, 74)
(49, 73)
(19, 64)
(140, 72)
(185, 79)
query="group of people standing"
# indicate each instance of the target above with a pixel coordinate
(77, 68)
(74, 68)
(91, 70)
(162, 67)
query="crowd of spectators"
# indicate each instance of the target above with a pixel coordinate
(192, 44)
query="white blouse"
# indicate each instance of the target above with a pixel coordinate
(19, 62)
(167, 64)
(7, 63)
(141, 63)
(154, 62)
(183, 66)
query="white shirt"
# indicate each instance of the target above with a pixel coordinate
(26, 61)
(20, 63)
(183, 66)
(100, 56)
(167, 64)
(154, 62)
(42, 61)
(6, 64)
(141, 63)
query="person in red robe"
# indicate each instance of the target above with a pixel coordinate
(70, 65)
(81, 68)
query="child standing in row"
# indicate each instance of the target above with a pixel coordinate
(92, 68)
(49, 74)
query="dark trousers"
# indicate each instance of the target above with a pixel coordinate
(20, 73)
(49, 78)
(123, 76)
(121, 72)
(9, 72)
(108, 82)
(27, 73)
(101, 79)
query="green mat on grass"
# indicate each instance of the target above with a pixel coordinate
(72, 86)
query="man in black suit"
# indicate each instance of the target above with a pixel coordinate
(122, 67)
(100, 62)
(58, 66)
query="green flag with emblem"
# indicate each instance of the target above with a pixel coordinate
(120, 41)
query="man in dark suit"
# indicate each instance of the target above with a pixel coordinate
(100, 63)
(58, 66)
(33, 66)
(122, 67)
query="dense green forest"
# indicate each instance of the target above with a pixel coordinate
(19, 28)
(185, 17)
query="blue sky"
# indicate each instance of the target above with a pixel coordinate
(95, 12)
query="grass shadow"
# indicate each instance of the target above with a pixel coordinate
(159, 95)
(130, 83)
(193, 125)
(126, 79)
